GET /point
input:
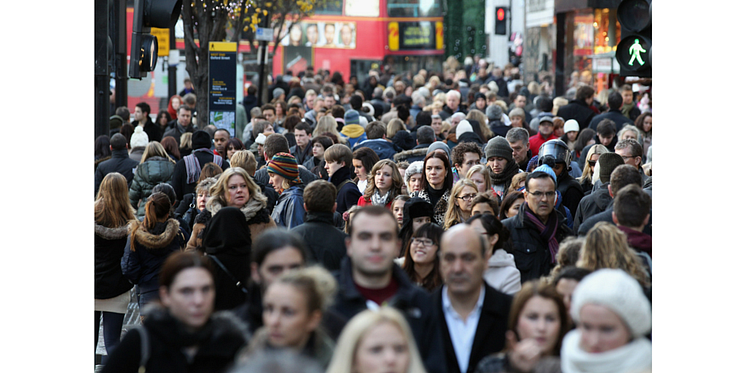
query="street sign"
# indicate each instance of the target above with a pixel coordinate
(222, 92)
(162, 35)
(264, 34)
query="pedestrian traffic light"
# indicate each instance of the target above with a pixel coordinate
(501, 21)
(635, 49)
(147, 14)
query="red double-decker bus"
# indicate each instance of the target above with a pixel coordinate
(358, 35)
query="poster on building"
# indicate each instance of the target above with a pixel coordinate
(321, 35)
(583, 34)
(222, 91)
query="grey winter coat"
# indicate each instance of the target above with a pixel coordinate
(150, 173)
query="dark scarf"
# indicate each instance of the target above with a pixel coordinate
(548, 231)
(506, 176)
(163, 323)
(435, 195)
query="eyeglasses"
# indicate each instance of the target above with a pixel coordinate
(626, 157)
(423, 241)
(592, 163)
(467, 197)
(538, 194)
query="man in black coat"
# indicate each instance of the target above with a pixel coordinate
(537, 229)
(142, 118)
(622, 176)
(276, 143)
(183, 124)
(579, 108)
(120, 162)
(467, 301)
(187, 170)
(614, 113)
(369, 278)
(325, 242)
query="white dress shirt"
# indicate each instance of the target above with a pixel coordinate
(462, 333)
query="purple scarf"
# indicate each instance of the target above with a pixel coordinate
(547, 231)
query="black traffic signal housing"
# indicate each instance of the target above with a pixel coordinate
(144, 49)
(635, 49)
(501, 20)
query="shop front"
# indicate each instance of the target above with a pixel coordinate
(587, 35)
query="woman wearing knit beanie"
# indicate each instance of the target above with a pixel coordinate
(284, 177)
(500, 160)
(614, 316)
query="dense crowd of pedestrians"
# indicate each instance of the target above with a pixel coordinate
(432, 222)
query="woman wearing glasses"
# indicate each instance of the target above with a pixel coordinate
(459, 207)
(421, 261)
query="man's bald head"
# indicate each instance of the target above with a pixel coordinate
(463, 235)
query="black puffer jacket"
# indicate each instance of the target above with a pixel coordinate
(218, 343)
(531, 253)
(150, 173)
(109, 247)
(578, 110)
(120, 162)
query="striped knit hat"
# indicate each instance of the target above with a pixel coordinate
(284, 164)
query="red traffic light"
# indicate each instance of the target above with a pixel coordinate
(500, 14)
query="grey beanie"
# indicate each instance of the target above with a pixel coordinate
(277, 92)
(440, 145)
(494, 112)
(498, 146)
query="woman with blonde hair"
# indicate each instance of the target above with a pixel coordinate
(480, 175)
(112, 213)
(293, 308)
(605, 246)
(185, 145)
(377, 340)
(586, 179)
(459, 205)
(236, 188)
(384, 184)
(481, 118)
(328, 124)
(155, 167)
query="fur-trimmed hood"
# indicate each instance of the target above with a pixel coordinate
(410, 153)
(156, 241)
(250, 209)
(111, 233)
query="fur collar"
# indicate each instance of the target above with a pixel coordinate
(157, 241)
(111, 233)
(221, 323)
(250, 209)
(410, 153)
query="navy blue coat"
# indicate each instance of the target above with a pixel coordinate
(143, 265)
(383, 148)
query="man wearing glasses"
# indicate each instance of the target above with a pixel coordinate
(631, 152)
(538, 228)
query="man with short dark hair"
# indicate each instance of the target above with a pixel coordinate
(325, 242)
(356, 103)
(183, 124)
(518, 139)
(425, 137)
(546, 133)
(369, 279)
(614, 113)
(622, 176)
(631, 213)
(599, 199)
(142, 119)
(473, 316)
(377, 141)
(605, 135)
(120, 162)
(464, 156)
(220, 140)
(268, 110)
(301, 150)
(537, 229)
(579, 108)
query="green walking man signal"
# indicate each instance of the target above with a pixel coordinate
(634, 51)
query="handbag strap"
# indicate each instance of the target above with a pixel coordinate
(238, 283)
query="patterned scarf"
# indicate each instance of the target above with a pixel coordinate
(548, 231)
(381, 200)
(193, 168)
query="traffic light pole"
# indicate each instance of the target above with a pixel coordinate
(262, 57)
(101, 116)
(120, 53)
(171, 68)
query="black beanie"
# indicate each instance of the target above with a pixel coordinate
(201, 139)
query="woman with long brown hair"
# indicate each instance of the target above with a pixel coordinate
(421, 259)
(438, 183)
(384, 184)
(148, 245)
(112, 214)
